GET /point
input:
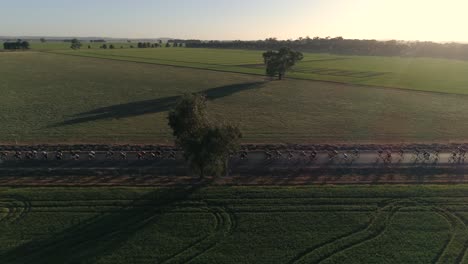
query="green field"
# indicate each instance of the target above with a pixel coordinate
(55, 98)
(355, 224)
(424, 74)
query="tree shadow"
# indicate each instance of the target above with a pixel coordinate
(101, 235)
(154, 105)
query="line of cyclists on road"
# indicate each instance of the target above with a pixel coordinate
(90, 155)
(332, 155)
(383, 156)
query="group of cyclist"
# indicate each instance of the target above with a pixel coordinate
(458, 156)
(333, 155)
(424, 156)
(350, 156)
(311, 155)
(418, 156)
(91, 155)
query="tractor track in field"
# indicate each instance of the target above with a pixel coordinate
(114, 58)
(224, 226)
(16, 208)
(225, 223)
(313, 255)
(464, 255)
(304, 254)
(458, 239)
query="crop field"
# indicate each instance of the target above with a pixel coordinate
(423, 74)
(55, 98)
(380, 224)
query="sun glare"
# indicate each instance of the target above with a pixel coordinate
(402, 19)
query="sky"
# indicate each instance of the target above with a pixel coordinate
(434, 20)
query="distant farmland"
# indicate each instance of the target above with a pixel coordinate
(54, 98)
(424, 74)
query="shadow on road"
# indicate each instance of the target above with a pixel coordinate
(154, 105)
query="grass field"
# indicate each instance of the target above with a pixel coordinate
(55, 98)
(357, 224)
(424, 74)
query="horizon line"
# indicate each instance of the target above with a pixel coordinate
(279, 39)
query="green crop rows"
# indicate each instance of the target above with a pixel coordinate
(235, 225)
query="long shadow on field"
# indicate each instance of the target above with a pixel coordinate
(154, 105)
(86, 242)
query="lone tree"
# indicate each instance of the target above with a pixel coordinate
(43, 40)
(206, 146)
(75, 44)
(279, 62)
(25, 45)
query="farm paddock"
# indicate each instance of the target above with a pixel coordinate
(341, 224)
(70, 99)
(132, 211)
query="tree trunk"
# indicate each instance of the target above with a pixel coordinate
(202, 172)
(280, 76)
(226, 166)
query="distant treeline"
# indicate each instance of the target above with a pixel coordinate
(343, 46)
(91, 40)
(16, 45)
(143, 45)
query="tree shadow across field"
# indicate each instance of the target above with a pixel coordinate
(154, 105)
(101, 235)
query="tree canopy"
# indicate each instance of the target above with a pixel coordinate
(75, 44)
(143, 45)
(206, 146)
(19, 44)
(279, 62)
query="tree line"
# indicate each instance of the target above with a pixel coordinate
(18, 45)
(76, 44)
(143, 45)
(343, 46)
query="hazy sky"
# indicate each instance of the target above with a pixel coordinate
(437, 20)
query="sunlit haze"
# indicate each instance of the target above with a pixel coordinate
(434, 20)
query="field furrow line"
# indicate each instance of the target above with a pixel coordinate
(377, 227)
(223, 227)
(455, 249)
(14, 209)
(465, 249)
